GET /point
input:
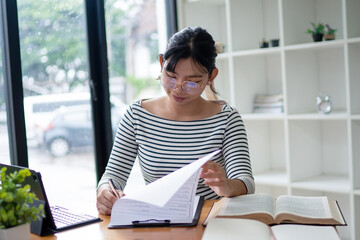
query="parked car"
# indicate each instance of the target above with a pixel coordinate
(71, 127)
(39, 110)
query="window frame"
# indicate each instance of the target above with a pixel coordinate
(13, 84)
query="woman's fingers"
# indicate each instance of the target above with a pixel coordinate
(105, 201)
(212, 170)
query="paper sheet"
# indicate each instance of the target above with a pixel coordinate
(171, 197)
(160, 192)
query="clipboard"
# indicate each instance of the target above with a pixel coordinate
(163, 222)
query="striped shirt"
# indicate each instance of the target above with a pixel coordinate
(164, 145)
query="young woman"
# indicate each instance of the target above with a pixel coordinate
(170, 131)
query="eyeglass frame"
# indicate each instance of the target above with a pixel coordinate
(175, 84)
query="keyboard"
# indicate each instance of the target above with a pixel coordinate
(64, 217)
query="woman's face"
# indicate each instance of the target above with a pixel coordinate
(186, 83)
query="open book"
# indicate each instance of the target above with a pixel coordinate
(168, 201)
(231, 228)
(285, 209)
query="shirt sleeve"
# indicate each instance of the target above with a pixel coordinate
(236, 151)
(123, 153)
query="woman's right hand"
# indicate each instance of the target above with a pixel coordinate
(106, 199)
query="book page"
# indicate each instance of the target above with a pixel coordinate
(247, 204)
(214, 211)
(234, 228)
(304, 232)
(336, 212)
(310, 207)
(169, 198)
(179, 209)
(160, 191)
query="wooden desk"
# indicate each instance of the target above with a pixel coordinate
(99, 231)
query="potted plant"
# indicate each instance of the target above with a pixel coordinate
(330, 33)
(317, 31)
(264, 43)
(15, 210)
(274, 42)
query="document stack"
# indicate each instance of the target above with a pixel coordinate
(268, 103)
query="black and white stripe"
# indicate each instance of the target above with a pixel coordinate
(163, 146)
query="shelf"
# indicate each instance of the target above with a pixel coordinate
(273, 178)
(327, 183)
(252, 21)
(260, 51)
(318, 147)
(263, 116)
(210, 2)
(298, 15)
(267, 141)
(299, 151)
(354, 40)
(310, 73)
(196, 13)
(256, 74)
(315, 45)
(318, 116)
(222, 56)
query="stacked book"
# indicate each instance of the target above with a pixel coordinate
(268, 103)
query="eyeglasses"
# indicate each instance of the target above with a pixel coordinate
(171, 83)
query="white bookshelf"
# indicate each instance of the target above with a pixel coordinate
(298, 151)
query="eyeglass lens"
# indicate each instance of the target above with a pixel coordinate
(170, 83)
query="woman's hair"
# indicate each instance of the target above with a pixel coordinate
(194, 42)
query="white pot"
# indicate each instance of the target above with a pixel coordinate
(21, 232)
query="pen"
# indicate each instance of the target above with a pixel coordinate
(113, 188)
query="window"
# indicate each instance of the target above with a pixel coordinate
(55, 78)
(134, 40)
(4, 143)
(135, 36)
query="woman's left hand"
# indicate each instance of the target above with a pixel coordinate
(214, 176)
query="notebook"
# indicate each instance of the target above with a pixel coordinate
(57, 218)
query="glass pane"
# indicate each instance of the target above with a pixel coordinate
(133, 46)
(4, 137)
(57, 100)
(135, 33)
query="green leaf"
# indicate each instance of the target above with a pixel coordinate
(15, 199)
(3, 216)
